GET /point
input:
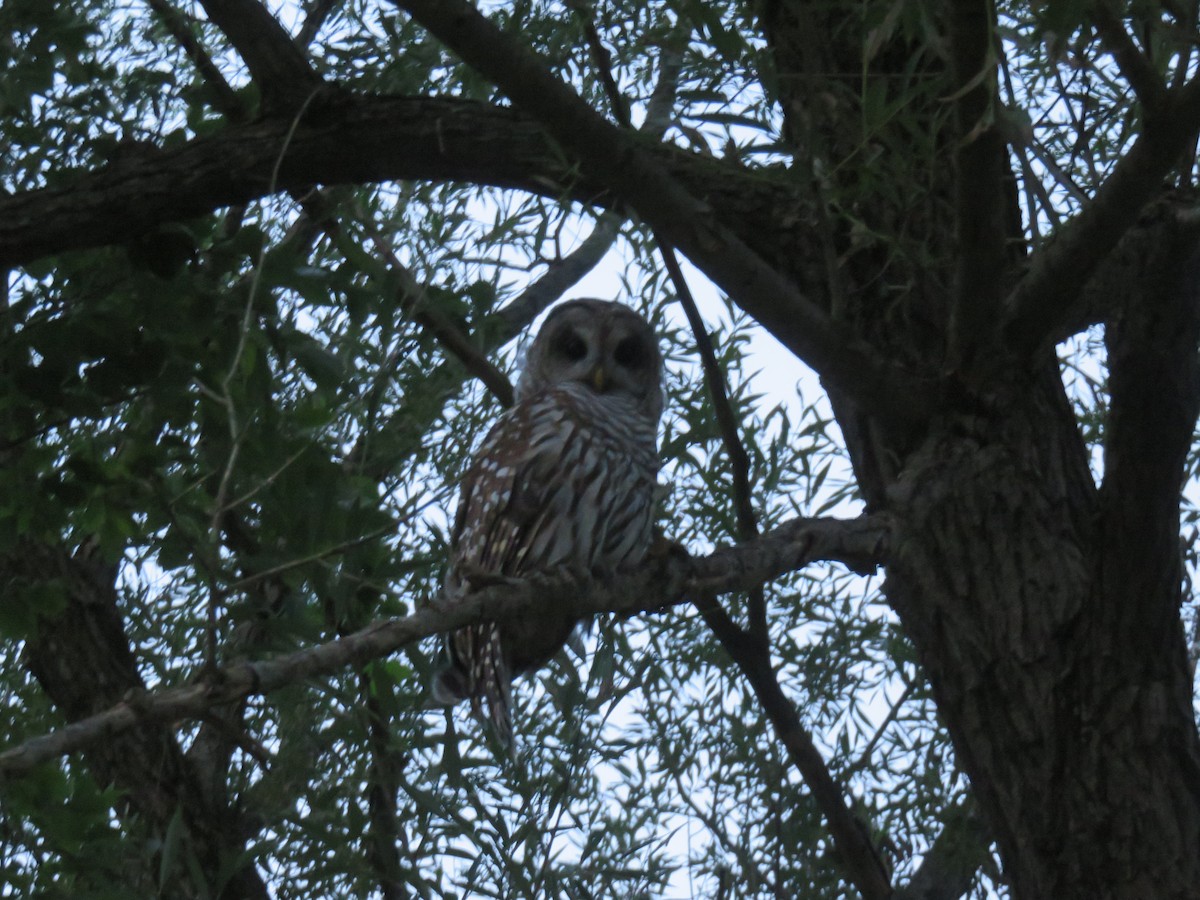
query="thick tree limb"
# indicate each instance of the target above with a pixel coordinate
(352, 141)
(83, 660)
(621, 163)
(1135, 66)
(276, 64)
(861, 544)
(981, 162)
(1049, 293)
(1155, 397)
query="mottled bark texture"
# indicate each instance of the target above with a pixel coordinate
(1045, 609)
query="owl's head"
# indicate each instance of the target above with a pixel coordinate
(603, 345)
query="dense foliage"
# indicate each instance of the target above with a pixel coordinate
(235, 407)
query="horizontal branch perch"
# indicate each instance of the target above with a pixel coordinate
(858, 543)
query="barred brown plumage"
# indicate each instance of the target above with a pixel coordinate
(566, 478)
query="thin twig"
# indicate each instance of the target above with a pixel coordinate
(893, 713)
(739, 460)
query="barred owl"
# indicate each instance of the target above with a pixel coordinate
(565, 479)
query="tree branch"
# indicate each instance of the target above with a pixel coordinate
(83, 660)
(1134, 65)
(276, 64)
(318, 12)
(859, 543)
(560, 276)
(860, 860)
(727, 422)
(563, 273)
(981, 162)
(353, 141)
(618, 161)
(1050, 291)
(1154, 386)
(227, 99)
(414, 300)
(949, 866)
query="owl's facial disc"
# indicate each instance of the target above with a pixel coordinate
(580, 359)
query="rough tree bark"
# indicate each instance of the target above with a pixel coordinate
(1044, 609)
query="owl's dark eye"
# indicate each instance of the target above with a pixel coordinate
(629, 352)
(571, 346)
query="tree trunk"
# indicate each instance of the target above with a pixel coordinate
(1046, 611)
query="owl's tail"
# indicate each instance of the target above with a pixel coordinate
(476, 670)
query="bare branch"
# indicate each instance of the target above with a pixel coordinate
(860, 859)
(414, 301)
(318, 12)
(385, 836)
(563, 273)
(859, 543)
(602, 60)
(560, 276)
(620, 162)
(739, 460)
(661, 106)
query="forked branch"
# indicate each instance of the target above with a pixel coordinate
(1048, 297)
(276, 64)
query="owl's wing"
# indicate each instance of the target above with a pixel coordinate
(512, 515)
(515, 484)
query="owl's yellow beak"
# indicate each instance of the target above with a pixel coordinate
(599, 378)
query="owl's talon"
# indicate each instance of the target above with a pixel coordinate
(477, 579)
(663, 547)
